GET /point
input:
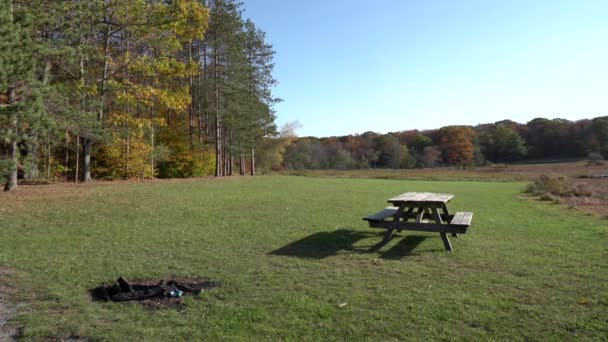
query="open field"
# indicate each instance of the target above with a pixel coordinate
(498, 172)
(578, 174)
(296, 262)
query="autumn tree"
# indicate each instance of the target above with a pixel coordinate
(456, 144)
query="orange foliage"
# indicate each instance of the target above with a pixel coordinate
(456, 144)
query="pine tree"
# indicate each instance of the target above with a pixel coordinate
(260, 115)
(17, 83)
(223, 37)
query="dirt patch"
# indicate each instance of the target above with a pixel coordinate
(28, 193)
(153, 294)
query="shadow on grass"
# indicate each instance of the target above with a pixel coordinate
(325, 244)
(404, 247)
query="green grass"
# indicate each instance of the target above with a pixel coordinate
(289, 250)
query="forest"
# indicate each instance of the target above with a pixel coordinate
(113, 89)
(461, 146)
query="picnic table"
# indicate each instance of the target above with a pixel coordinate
(420, 211)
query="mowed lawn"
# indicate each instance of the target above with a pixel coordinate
(296, 262)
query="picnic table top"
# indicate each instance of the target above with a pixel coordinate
(420, 197)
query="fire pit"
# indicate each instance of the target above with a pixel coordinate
(163, 290)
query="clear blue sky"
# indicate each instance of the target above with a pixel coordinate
(350, 66)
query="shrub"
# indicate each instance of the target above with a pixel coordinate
(554, 185)
(549, 197)
(185, 164)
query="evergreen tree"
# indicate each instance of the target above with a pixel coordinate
(17, 83)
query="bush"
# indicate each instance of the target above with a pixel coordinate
(184, 164)
(551, 187)
(554, 185)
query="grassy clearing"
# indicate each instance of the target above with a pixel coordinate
(585, 190)
(290, 250)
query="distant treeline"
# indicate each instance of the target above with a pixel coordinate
(500, 142)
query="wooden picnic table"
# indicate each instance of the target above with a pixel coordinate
(420, 211)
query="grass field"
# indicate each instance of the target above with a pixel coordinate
(291, 251)
(580, 175)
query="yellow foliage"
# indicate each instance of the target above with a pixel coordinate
(177, 99)
(129, 151)
(190, 19)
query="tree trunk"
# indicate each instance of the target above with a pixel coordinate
(190, 107)
(33, 173)
(230, 163)
(218, 127)
(87, 160)
(67, 156)
(106, 64)
(76, 170)
(253, 161)
(242, 163)
(225, 151)
(127, 153)
(48, 156)
(203, 110)
(152, 143)
(11, 182)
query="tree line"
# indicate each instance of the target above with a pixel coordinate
(460, 146)
(118, 89)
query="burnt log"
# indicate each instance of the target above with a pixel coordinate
(155, 292)
(124, 285)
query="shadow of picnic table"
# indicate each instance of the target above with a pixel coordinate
(325, 244)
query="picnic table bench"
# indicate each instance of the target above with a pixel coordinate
(422, 208)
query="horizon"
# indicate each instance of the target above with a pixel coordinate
(411, 63)
(437, 128)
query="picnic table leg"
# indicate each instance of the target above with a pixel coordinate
(444, 208)
(396, 219)
(419, 215)
(446, 242)
(387, 235)
(444, 236)
(407, 215)
(446, 213)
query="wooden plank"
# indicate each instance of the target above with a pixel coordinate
(421, 197)
(462, 219)
(417, 204)
(420, 227)
(457, 218)
(382, 215)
